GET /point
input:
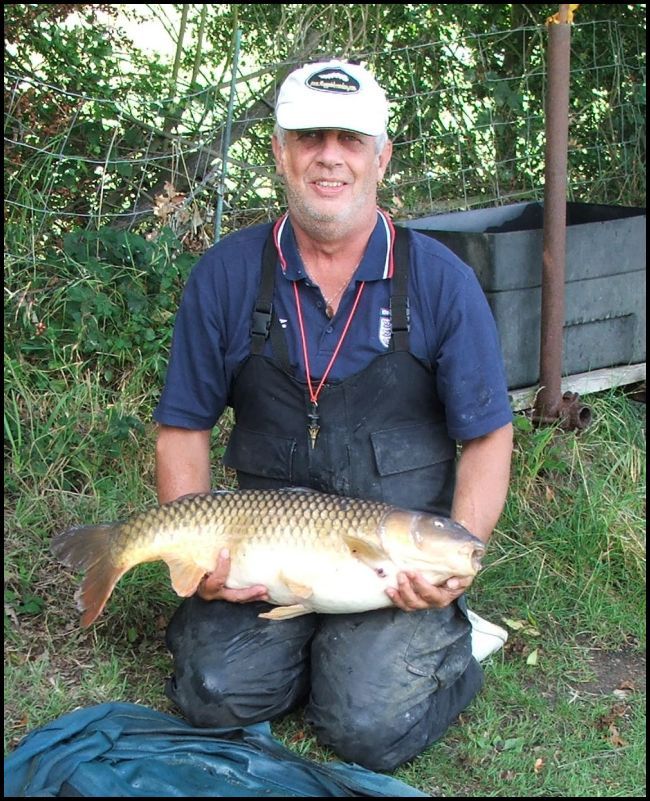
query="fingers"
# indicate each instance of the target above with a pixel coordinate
(255, 593)
(213, 585)
(215, 581)
(414, 593)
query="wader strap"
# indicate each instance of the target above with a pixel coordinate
(399, 299)
(265, 323)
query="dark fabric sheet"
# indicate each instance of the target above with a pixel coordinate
(128, 750)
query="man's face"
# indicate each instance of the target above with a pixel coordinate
(331, 179)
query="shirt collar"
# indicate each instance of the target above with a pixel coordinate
(375, 265)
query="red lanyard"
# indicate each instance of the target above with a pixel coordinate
(314, 394)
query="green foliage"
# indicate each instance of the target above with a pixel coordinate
(572, 530)
(95, 315)
(78, 47)
(90, 141)
(105, 298)
(24, 604)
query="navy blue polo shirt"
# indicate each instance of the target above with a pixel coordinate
(451, 328)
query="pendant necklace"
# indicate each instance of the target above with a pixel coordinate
(314, 427)
(329, 302)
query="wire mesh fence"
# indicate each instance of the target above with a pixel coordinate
(467, 122)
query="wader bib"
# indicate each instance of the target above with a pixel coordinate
(381, 685)
(382, 431)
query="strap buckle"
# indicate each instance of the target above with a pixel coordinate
(261, 323)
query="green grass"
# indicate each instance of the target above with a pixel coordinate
(566, 565)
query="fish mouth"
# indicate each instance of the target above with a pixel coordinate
(477, 556)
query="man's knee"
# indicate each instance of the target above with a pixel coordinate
(379, 743)
(206, 699)
(382, 737)
(233, 669)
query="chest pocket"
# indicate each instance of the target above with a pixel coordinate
(262, 460)
(415, 461)
(409, 447)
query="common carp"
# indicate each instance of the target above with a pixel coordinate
(315, 552)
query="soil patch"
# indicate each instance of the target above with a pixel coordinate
(615, 672)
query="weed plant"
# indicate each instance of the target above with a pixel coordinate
(562, 711)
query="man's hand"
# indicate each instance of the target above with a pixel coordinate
(414, 593)
(212, 586)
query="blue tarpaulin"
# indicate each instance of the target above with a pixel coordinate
(129, 750)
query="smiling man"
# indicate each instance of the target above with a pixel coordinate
(359, 359)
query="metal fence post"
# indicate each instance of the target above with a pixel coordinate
(550, 404)
(226, 139)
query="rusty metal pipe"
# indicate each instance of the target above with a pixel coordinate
(549, 403)
(572, 413)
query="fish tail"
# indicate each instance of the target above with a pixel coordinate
(91, 549)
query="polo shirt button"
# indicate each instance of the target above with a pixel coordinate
(329, 329)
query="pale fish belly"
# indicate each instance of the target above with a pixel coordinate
(327, 581)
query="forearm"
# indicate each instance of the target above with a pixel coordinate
(482, 479)
(182, 462)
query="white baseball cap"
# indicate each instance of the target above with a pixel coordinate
(332, 94)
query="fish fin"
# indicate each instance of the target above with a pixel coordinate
(285, 612)
(89, 549)
(94, 592)
(185, 575)
(367, 552)
(301, 590)
(189, 495)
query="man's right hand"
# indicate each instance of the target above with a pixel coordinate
(212, 586)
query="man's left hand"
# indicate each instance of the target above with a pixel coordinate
(414, 593)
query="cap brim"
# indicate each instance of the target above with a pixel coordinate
(332, 114)
(316, 123)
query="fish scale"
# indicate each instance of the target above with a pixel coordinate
(313, 551)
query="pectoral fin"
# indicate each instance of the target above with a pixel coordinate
(301, 590)
(367, 552)
(285, 612)
(185, 575)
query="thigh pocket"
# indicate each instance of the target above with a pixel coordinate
(441, 645)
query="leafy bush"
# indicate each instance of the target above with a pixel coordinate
(104, 299)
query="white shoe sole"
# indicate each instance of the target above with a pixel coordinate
(487, 638)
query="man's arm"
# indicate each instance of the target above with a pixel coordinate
(482, 479)
(182, 462)
(183, 467)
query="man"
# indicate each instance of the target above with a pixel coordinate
(355, 357)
